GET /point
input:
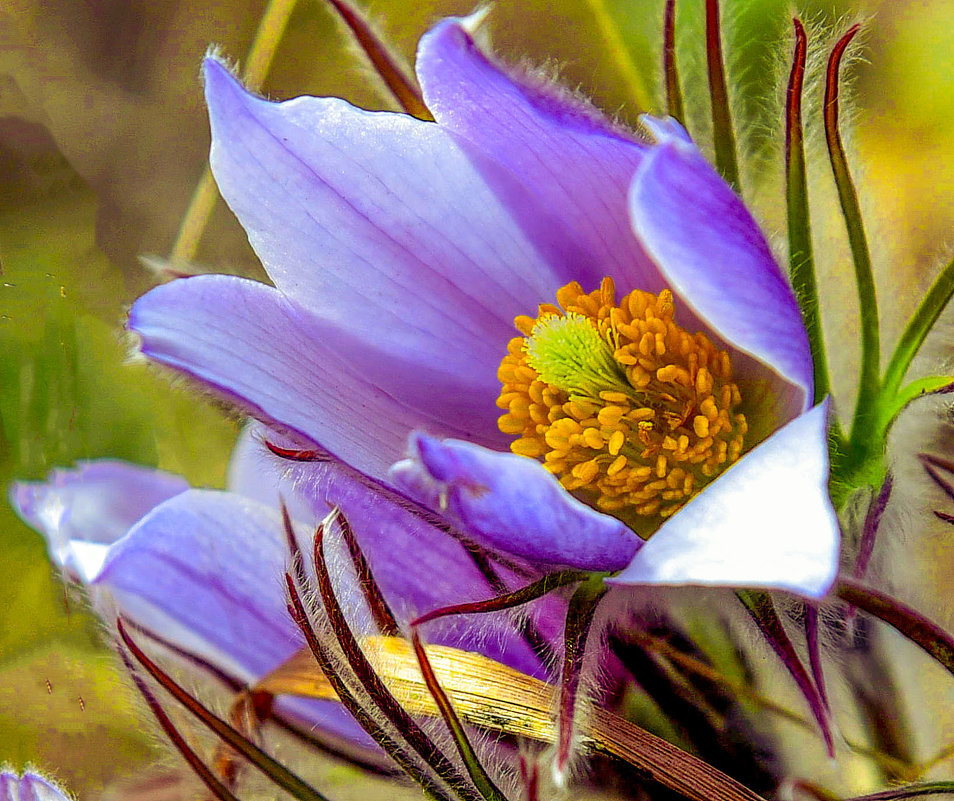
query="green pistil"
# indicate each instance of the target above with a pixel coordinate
(569, 353)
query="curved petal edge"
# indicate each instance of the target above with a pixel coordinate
(512, 504)
(714, 256)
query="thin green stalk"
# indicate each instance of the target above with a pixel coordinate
(865, 419)
(893, 405)
(620, 53)
(478, 775)
(257, 63)
(921, 322)
(800, 250)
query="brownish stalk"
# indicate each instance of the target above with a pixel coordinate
(478, 775)
(207, 777)
(579, 618)
(385, 63)
(673, 92)
(377, 733)
(540, 645)
(272, 769)
(519, 597)
(380, 611)
(377, 690)
(723, 135)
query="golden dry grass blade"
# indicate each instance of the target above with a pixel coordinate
(492, 696)
(271, 28)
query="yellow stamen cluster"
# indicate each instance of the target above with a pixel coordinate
(627, 409)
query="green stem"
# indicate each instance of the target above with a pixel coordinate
(800, 251)
(917, 329)
(892, 405)
(620, 53)
(865, 420)
(478, 775)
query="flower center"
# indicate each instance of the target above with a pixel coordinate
(629, 410)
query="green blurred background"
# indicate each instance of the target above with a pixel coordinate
(102, 139)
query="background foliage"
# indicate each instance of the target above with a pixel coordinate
(102, 137)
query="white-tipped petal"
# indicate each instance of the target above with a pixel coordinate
(766, 522)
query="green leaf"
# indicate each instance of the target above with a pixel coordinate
(478, 775)
(863, 425)
(892, 406)
(918, 327)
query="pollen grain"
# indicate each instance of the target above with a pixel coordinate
(636, 420)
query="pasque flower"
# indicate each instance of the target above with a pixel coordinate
(660, 383)
(512, 337)
(403, 251)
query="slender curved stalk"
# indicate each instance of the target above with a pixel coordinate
(257, 63)
(921, 322)
(579, 618)
(908, 621)
(375, 687)
(524, 595)
(478, 775)
(385, 63)
(324, 662)
(892, 406)
(760, 607)
(801, 256)
(274, 770)
(865, 419)
(620, 53)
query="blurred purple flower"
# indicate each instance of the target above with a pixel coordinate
(401, 253)
(28, 787)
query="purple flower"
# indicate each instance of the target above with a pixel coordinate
(403, 251)
(28, 787)
(203, 569)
